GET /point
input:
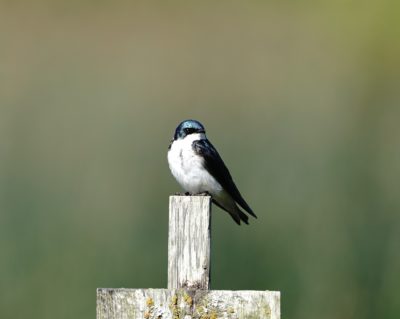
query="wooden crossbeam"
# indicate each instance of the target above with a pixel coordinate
(187, 304)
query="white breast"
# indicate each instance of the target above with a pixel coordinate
(187, 167)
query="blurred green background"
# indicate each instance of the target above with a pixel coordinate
(301, 98)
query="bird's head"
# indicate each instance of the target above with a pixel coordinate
(188, 127)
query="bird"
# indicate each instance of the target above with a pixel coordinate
(198, 168)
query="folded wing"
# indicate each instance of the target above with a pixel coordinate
(216, 167)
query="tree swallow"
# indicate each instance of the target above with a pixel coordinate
(198, 168)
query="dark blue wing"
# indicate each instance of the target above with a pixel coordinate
(216, 167)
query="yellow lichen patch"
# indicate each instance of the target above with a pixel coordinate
(173, 306)
(188, 299)
(150, 302)
(211, 316)
(267, 311)
(203, 314)
(174, 300)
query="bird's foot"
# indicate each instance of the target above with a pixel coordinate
(180, 194)
(183, 194)
(203, 194)
(192, 194)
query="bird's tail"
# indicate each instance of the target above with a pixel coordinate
(235, 212)
(243, 217)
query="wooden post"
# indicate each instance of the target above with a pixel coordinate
(187, 296)
(189, 242)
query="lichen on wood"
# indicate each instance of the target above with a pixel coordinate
(186, 304)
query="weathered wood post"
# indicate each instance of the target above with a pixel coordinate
(189, 240)
(187, 296)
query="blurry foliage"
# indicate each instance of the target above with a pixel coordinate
(301, 99)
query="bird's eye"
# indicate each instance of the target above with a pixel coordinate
(188, 130)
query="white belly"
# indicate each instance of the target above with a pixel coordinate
(188, 169)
